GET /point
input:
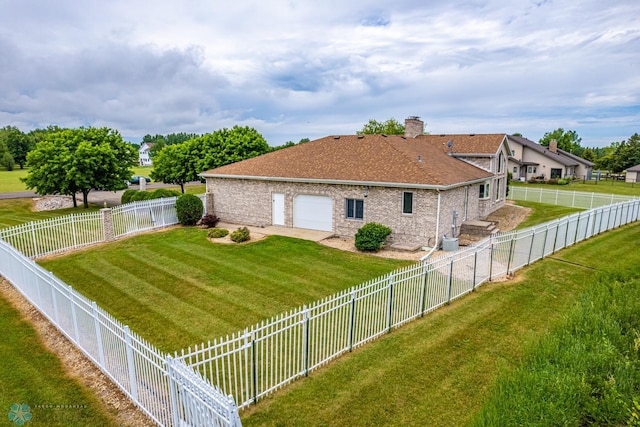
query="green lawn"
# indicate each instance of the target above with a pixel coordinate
(541, 213)
(176, 288)
(441, 369)
(20, 211)
(10, 181)
(29, 373)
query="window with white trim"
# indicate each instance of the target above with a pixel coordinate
(354, 208)
(498, 190)
(484, 190)
(407, 202)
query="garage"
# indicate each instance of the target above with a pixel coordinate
(313, 212)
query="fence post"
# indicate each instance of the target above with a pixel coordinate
(96, 323)
(131, 364)
(306, 340)
(74, 320)
(173, 396)
(352, 320)
(475, 269)
(254, 362)
(491, 261)
(450, 281)
(390, 308)
(533, 238)
(510, 259)
(33, 239)
(53, 298)
(425, 268)
(107, 224)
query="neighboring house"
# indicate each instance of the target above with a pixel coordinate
(529, 160)
(143, 154)
(633, 174)
(423, 187)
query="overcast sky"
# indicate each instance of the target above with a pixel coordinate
(294, 69)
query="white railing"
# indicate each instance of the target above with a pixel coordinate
(168, 391)
(261, 359)
(55, 235)
(574, 199)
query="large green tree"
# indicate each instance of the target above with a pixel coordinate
(176, 164)
(74, 161)
(181, 163)
(567, 140)
(389, 127)
(226, 146)
(626, 154)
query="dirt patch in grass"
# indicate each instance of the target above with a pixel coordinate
(76, 364)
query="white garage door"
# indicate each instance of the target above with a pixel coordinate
(313, 212)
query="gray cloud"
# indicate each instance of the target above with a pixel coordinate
(296, 69)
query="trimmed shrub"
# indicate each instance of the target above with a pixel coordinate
(217, 233)
(552, 181)
(240, 235)
(372, 236)
(165, 193)
(563, 181)
(189, 209)
(209, 221)
(135, 196)
(127, 195)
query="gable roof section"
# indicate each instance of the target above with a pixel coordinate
(359, 159)
(558, 157)
(576, 158)
(471, 144)
(635, 168)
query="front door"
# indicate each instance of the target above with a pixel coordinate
(277, 208)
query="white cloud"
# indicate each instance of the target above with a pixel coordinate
(296, 69)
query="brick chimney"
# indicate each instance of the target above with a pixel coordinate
(553, 146)
(413, 127)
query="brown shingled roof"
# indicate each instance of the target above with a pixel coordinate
(479, 143)
(365, 158)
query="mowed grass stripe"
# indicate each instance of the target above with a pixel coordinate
(177, 289)
(439, 370)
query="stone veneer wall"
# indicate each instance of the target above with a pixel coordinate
(249, 202)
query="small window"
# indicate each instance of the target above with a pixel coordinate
(355, 208)
(515, 169)
(513, 153)
(407, 202)
(500, 162)
(484, 191)
(497, 190)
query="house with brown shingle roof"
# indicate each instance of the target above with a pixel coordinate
(529, 160)
(423, 187)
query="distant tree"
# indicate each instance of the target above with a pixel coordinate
(626, 154)
(176, 164)
(180, 137)
(226, 146)
(289, 144)
(7, 161)
(568, 141)
(589, 154)
(79, 160)
(389, 127)
(18, 143)
(517, 134)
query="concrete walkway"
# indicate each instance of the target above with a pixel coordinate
(299, 233)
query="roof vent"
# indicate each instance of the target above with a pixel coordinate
(419, 158)
(384, 134)
(472, 134)
(336, 137)
(442, 134)
(360, 136)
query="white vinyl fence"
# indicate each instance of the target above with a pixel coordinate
(257, 361)
(574, 199)
(167, 390)
(57, 235)
(202, 385)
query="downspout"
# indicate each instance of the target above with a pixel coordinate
(437, 240)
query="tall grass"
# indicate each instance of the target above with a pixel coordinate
(586, 371)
